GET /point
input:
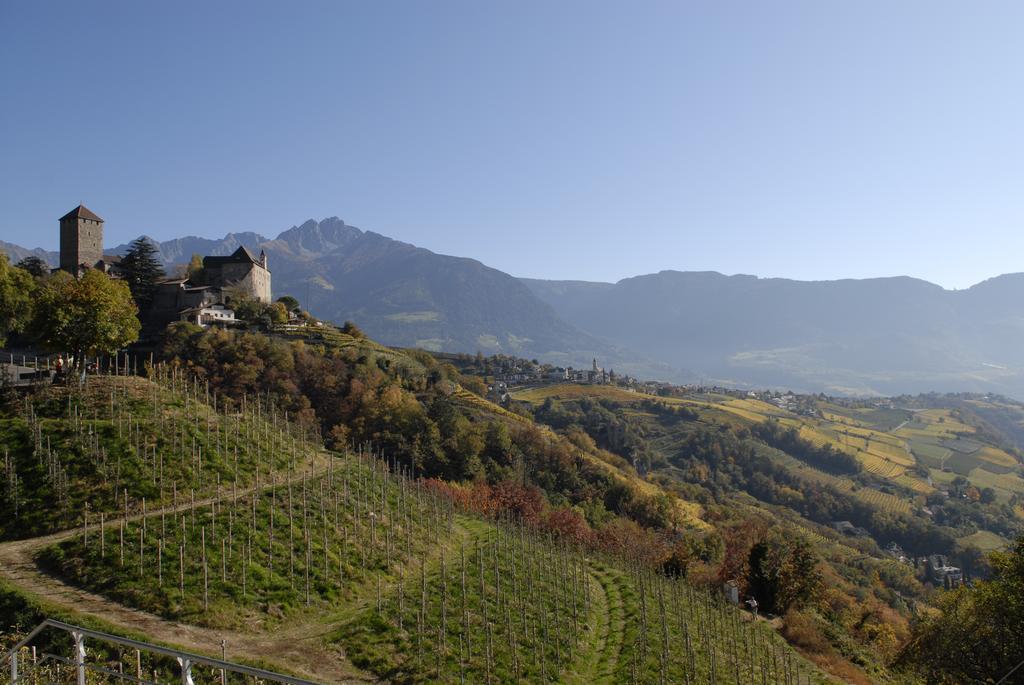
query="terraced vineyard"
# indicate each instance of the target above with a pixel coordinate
(122, 442)
(236, 524)
(882, 454)
(312, 540)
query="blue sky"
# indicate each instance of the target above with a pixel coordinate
(585, 140)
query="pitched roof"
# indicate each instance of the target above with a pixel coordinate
(81, 212)
(242, 254)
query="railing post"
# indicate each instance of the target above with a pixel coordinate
(186, 671)
(79, 656)
(14, 668)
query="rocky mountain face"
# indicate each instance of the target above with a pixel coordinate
(409, 296)
(180, 250)
(404, 295)
(16, 253)
(885, 336)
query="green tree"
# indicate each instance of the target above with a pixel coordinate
(142, 270)
(289, 302)
(17, 288)
(498, 443)
(90, 315)
(35, 266)
(977, 636)
(351, 329)
(783, 573)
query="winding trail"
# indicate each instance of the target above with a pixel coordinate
(597, 660)
(296, 649)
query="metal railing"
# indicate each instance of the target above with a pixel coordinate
(185, 661)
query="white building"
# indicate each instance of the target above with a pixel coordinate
(209, 315)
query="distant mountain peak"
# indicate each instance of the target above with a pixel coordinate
(314, 238)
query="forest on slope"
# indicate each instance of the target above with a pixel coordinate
(370, 510)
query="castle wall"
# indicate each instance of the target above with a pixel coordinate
(252, 278)
(81, 242)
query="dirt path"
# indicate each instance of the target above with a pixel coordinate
(585, 669)
(298, 650)
(598, 660)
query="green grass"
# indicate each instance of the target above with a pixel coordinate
(414, 317)
(385, 589)
(346, 529)
(984, 540)
(929, 454)
(557, 616)
(69, 452)
(508, 607)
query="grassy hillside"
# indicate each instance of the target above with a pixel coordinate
(905, 452)
(238, 523)
(72, 453)
(802, 466)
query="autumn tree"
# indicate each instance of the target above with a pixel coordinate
(352, 329)
(783, 573)
(93, 314)
(194, 271)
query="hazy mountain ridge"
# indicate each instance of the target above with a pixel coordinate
(882, 335)
(16, 253)
(409, 296)
(872, 336)
(405, 295)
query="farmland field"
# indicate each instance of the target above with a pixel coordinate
(996, 457)
(984, 540)
(1005, 484)
(537, 395)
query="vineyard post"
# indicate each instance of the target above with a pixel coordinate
(401, 599)
(206, 573)
(465, 608)
(490, 652)
(444, 605)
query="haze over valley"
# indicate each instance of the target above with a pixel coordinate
(867, 337)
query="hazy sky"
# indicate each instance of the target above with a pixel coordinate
(589, 140)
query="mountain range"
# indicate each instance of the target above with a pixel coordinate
(863, 337)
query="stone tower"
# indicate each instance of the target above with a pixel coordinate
(81, 240)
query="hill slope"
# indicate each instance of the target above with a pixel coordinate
(408, 296)
(332, 565)
(876, 336)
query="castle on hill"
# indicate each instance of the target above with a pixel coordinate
(202, 298)
(81, 244)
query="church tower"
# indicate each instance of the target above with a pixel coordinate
(81, 240)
